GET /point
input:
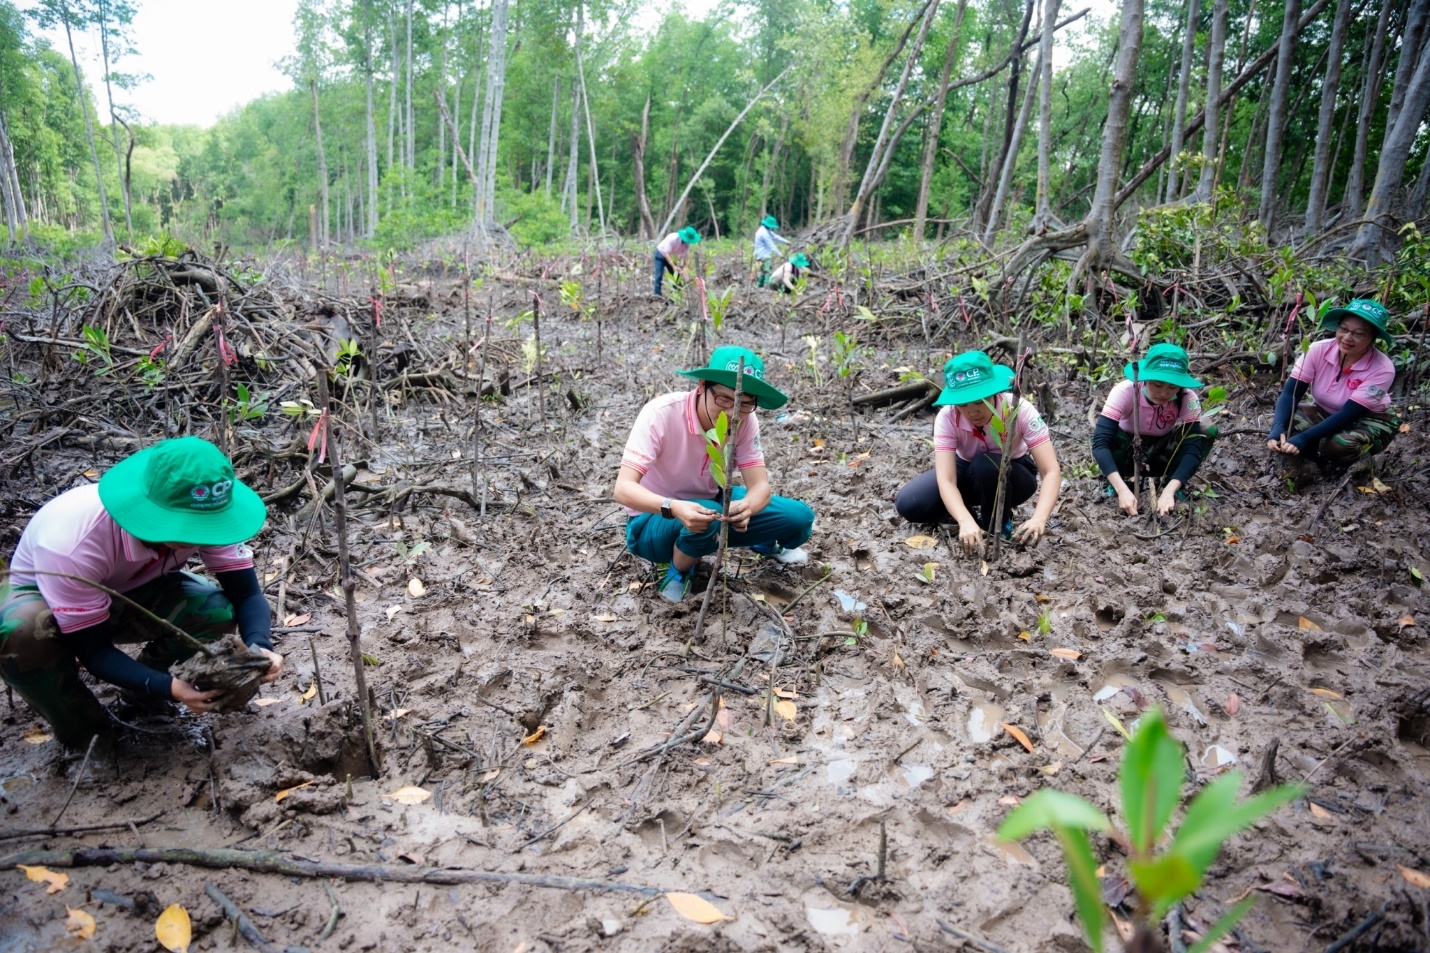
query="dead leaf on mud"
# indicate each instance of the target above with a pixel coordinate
(392, 611)
(605, 618)
(411, 794)
(1051, 769)
(1025, 635)
(1406, 621)
(1018, 735)
(311, 692)
(1405, 428)
(44, 875)
(1232, 705)
(79, 923)
(38, 736)
(415, 587)
(696, 909)
(1306, 625)
(1012, 800)
(1117, 723)
(1320, 812)
(1414, 877)
(713, 737)
(786, 693)
(287, 791)
(983, 569)
(491, 775)
(1125, 929)
(1281, 888)
(265, 702)
(1040, 597)
(921, 542)
(1233, 540)
(790, 760)
(397, 713)
(958, 808)
(786, 710)
(1071, 655)
(173, 929)
(896, 663)
(1327, 693)
(535, 736)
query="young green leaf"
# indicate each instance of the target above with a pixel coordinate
(1223, 926)
(1082, 876)
(1050, 808)
(1204, 831)
(717, 463)
(1151, 780)
(1164, 881)
(722, 428)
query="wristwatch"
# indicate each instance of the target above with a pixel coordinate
(665, 510)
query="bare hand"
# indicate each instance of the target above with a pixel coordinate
(970, 536)
(1127, 500)
(1282, 445)
(1167, 502)
(739, 515)
(1031, 531)
(693, 516)
(275, 666)
(197, 702)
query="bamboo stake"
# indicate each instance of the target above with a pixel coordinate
(995, 521)
(540, 376)
(340, 522)
(729, 453)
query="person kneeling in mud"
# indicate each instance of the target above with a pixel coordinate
(668, 490)
(783, 278)
(1167, 423)
(968, 449)
(133, 532)
(1349, 380)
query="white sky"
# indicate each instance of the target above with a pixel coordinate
(208, 57)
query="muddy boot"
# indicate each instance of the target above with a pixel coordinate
(60, 698)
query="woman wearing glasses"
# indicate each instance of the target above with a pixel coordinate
(1349, 381)
(666, 485)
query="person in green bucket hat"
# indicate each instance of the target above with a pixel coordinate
(670, 254)
(670, 495)
(968, 449)
(1349, 381)
(1164, 415)
(767, 244)
(783, 278)
(132, 532)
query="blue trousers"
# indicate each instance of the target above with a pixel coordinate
(785, 521)
(662, 265)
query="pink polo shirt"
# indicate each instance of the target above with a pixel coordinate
(1152, 420)
(952, 432)
(1367, 382)
(672, 247)
(74, 534)
(668, 448)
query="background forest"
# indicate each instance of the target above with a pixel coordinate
(574, 118)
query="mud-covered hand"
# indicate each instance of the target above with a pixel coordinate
(970, 537)
(1167, 502)
(275, 664)
(693, 516)
(1127, 501)
(197, 702)
(1031, 531)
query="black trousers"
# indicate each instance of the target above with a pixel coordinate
(919, 502)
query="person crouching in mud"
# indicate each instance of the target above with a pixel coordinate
(1168, 423)
(967, 452)
(667, 488)
(133, 532)
(1349, 381)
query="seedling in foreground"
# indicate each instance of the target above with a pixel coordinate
(715, 448)
(1150, 779)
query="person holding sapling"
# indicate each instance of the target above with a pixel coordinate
(670, 254)
(133, 533)
(668, 479)
(980, 419)
(783, 278)
(1349, 381)
(1167, 424)
(767, 243)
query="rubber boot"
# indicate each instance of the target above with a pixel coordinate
(59, 697)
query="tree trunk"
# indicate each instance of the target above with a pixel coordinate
(1390, 172)
(551, 133)
(1276, 120)
(7, 194)
(1184, 81)
(1369, 100)
(320, 240)
(1206, 181)
(595, 177)
(370, 225)
(1412, 46)
(1321, 163)
(647, 226)
(936, 126)
(772, 159)
(411, 137)
(476, 98)
(985, 200)
(573, 161)
(491, 121)
(114, 118)
(88, 130)
(1042, 212)
(1010, 160)
(392, 94)
(876, 156)
(1415, 207)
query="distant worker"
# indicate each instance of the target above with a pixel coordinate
(767, 244)
(783, 278)
(1349, 381)
(670, 254)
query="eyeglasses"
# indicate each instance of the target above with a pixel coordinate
(727, 400)
(1356, 333)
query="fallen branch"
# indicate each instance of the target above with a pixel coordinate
(894, 394)
(83, 829)
(240, 920)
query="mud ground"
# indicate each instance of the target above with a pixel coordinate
(1257, 631)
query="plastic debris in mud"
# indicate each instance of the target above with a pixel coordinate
(848, 603)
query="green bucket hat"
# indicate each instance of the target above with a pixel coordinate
(799, 261)
(725, 361)
(690, 236)
(1165, 363)
(181, 491)
(1372, 312)
(770, 222)
(972, 376)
